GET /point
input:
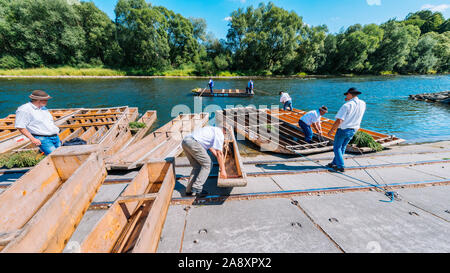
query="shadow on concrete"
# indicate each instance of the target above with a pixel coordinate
(284, 167)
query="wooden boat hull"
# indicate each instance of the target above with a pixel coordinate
(162, 143)
(44, 206)
(221, 93)
(272, 134)
(292, 117)
(236, 177)
(135, 220)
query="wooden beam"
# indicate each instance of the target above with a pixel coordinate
(141, 197)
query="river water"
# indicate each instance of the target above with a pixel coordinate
(388, 108)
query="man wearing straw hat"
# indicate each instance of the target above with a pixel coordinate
(35, 122)
(348, 120)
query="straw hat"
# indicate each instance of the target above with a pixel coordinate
(39, 95)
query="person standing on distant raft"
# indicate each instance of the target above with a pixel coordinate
(211, 85)
(348, 121)
(35, 122)
(249, 88)
(196, 146)
(286, 100)
(312, 118)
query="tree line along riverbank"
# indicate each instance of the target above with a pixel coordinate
(60, 37)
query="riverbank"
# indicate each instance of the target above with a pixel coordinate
(107, 73)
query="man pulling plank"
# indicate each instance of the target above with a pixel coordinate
(286, 100)
(196, 146)
(312, 118)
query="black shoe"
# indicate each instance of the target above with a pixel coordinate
(200, 194)
(331, 165)
(188, 193)
(337, 169)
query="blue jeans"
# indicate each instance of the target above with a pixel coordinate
(341, 140)
(288, 104)
(48, 144)
(211, 89)
(306, 130)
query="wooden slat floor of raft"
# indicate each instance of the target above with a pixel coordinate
(95, 126)
(264, 129)
(222, 93)
(292, 117)
(162, 143)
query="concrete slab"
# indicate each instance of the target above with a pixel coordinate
(256, 226)
(171, 235)
(109, 193)
(399, 175)
(441, 171)
(364, 224)
(433, 199)
(254, 184)
(87, 223)
(320, 180)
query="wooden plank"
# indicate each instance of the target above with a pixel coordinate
(141, 197)
(51, 227)
(110, 227)
(151, 231)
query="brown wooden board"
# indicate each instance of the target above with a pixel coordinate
(133, 223)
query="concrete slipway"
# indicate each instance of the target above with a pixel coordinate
(291, 204)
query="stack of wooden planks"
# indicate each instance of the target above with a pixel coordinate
(292, 117)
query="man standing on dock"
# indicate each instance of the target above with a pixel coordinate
(35, 122)
(286, 100)
(249, 88)
(312, 118)
(211, 85)
(348, 121)
(195, 146)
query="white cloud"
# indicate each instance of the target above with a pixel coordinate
(374, 2)
(227, 18)
(435, 8)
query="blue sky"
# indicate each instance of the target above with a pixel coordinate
(334, 13)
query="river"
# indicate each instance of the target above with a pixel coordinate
(388, 108)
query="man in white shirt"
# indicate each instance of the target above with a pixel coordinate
(286, 100)
(312, 118)
(348, 121)
(35, 122)
(195, 146)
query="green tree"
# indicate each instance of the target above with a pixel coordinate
(181, 39)
(99, 32)
(398, 41)
(422, 58)
(311, 53)
(142, 35)
(265, 38)
(41, 32)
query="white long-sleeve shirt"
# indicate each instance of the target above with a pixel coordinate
(285, 97)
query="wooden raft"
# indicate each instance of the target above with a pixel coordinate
(292, 117)
(41, 210)
(221, 93)
(162, 143)
(272, 134)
